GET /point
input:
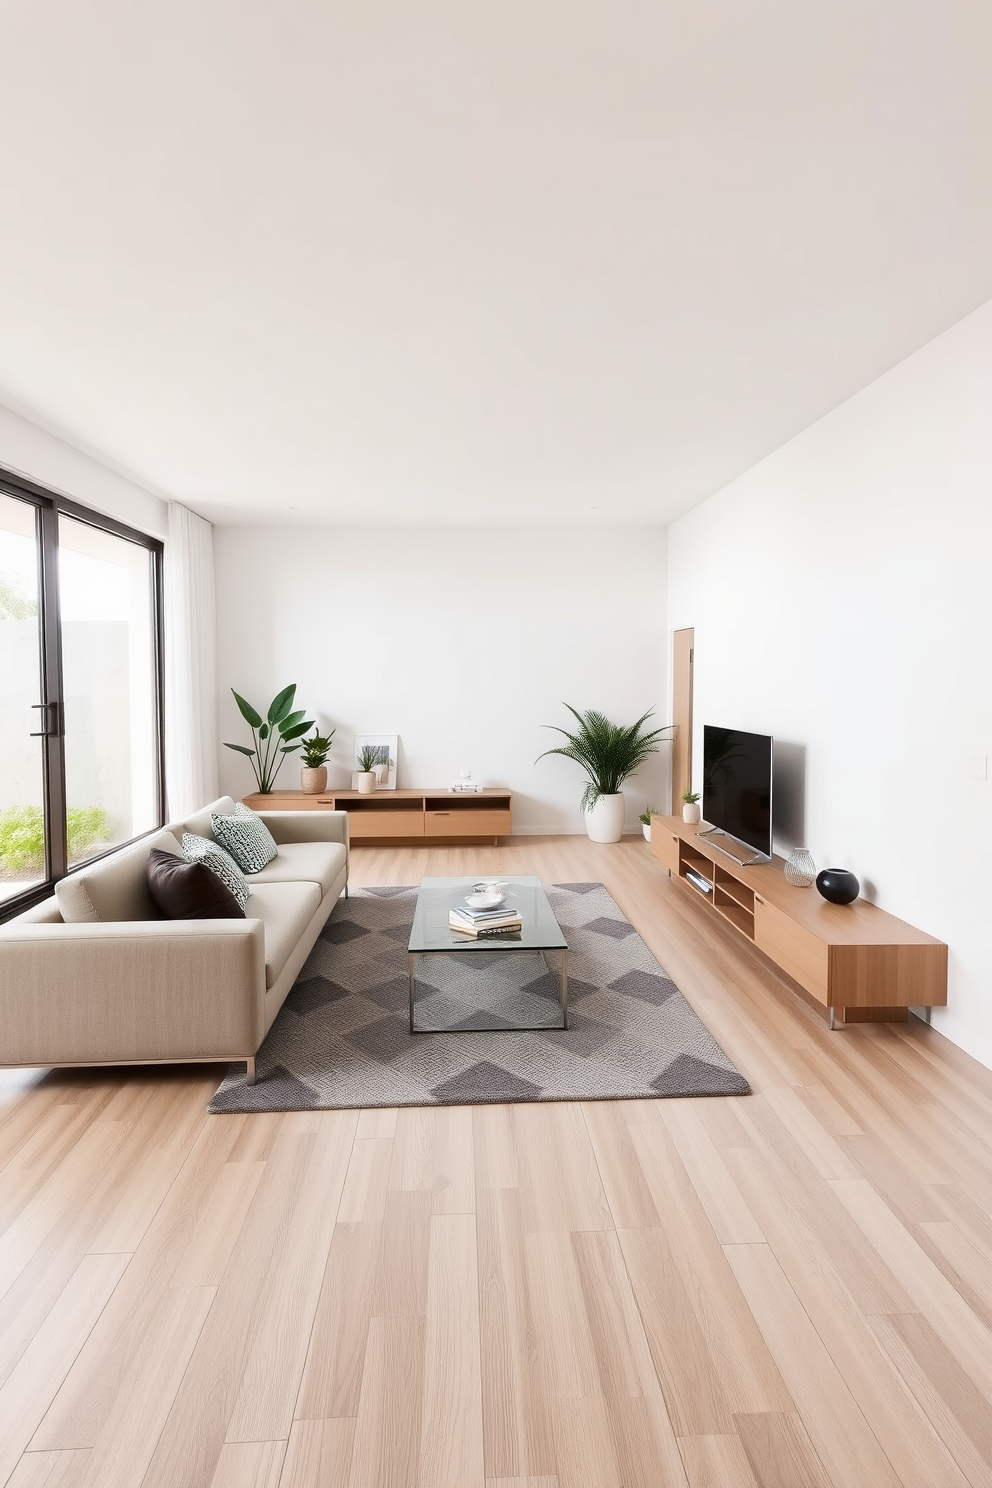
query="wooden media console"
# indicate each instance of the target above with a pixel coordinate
(855, 958)
(405, 816)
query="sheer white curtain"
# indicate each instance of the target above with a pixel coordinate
(190, 666)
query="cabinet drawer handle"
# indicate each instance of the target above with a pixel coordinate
(441, 813)
(758, 899)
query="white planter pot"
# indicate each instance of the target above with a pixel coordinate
(604, 822)
(690, 813)
(646, 829)
(313, 779)
(366, 782)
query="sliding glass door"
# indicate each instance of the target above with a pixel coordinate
(80, 689)
(23, 834)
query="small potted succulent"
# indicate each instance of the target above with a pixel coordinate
(645, 821)
(368, 758)
(313, 775)
(690, 807)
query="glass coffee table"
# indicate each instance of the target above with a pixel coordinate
(505, 982)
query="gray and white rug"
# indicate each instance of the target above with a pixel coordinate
(342, 1037)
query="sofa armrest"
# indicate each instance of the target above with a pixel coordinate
(307, 826)
(131, 991)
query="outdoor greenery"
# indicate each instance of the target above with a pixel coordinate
(273, 737)
(316, 749)
(15, 604)
(22, 835)
(608, 752)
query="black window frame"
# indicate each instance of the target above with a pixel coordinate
(50, 505)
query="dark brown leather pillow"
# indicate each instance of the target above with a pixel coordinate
(189, 891)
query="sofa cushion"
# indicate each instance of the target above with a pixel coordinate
(114, 887)
(204, 850)
(305, 862)
(189, 891)
(246, 838)
(200, 824)
(285, 910)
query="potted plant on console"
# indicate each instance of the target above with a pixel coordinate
(608, 752)
(690, 807)
(645, 821)
(368, 758)
(273, 737)
(313, 775)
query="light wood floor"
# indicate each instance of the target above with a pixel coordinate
(789, 1290)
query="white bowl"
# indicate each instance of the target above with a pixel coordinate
(491, 899)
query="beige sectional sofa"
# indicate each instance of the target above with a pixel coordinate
(120, 984)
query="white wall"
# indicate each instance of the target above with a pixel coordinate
(842, 600)
(31, 451)
(463, 643)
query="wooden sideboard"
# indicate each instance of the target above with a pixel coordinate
(405, 816)
(851, 957)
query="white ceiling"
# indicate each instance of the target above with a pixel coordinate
(553, 260)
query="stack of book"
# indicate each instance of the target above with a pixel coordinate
(481, 923)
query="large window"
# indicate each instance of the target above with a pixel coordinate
(80, 689)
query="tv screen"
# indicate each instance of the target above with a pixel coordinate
(737, 785)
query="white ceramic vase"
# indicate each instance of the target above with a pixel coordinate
(646, 829)
(690, 813)
(604, 822)
(366, 782)
(313, 779)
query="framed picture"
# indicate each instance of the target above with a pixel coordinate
(385, 767)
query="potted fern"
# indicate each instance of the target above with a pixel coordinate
(645, 821)
(313, 774)
(608, 752)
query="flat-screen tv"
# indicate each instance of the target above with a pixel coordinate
(737, 785)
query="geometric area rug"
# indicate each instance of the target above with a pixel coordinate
(342, 1037)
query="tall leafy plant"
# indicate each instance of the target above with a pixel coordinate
(608, 752)
(273, 737)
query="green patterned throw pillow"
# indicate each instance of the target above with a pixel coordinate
(212, 855)
(246, 838)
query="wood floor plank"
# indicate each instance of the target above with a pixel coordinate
(332, 1373)
(732, 1221)
(451, 1454)
(274, 1367)
(517, 1430)
(641, 1430)
(256, 1464)
(694, 1396)
(387, 1430)
(934, 1296)
(400, 1283)
(627, 1191)
(196, 1428)
(717, 1462)
(560, 1183)
(124, 1445)
(841, 1436)
(738, 1355)
(495, 1150)
(780, 1451)
(49, 1470)
(318, 1454)
(958, 1411)
(34, 1382)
